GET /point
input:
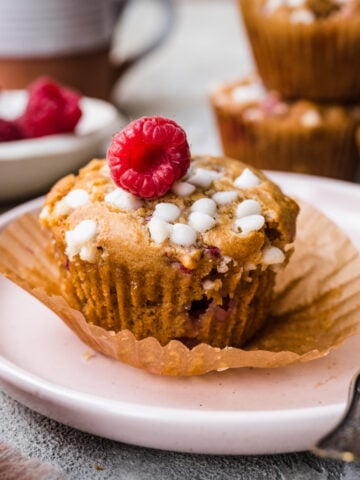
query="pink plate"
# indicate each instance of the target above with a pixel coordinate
(247, 411)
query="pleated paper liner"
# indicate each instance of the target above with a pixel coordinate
(316, 305)
(314, 61)
(288, 146)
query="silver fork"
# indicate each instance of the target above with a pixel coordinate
(343, 442)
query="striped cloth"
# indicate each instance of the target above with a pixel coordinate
(14, 466)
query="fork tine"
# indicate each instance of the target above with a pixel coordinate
(343, 442)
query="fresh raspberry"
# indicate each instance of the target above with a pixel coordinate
(148, 156)
(51, 109)
(9, 131)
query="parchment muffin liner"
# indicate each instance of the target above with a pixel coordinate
(316, 305)
(314, 61)
(154, 306)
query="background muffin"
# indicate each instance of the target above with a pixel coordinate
(261, 128)
(197, 264)
(306, 48)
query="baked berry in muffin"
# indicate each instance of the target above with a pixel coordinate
(169, 248)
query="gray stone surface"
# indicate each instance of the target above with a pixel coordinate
(207, 45)
(79, 456)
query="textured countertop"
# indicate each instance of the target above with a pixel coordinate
(207, 45)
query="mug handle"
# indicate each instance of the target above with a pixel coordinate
(122, 66)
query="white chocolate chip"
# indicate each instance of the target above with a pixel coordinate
(295, 3)
(213, 173)
(253, 92)
(123, 200)
(310, 119)
(183, 188)
(204, 205)
(159, 229)
(208, 285)
(77, 198)
(201, 222)
(248, 207)
(62, 208)
(74, 199)
(253, 114)
(203, 177)
(302, 16)
(251, 223)
(247, 179)
(222, 267)
(272, 5)
(222, 198)
(183, 235)
(169, 212)
(272, 255)
(88, 253)
(45, 212)
(105, 170)
(84, 231)
(79, 238)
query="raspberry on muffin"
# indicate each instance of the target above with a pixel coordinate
(148, 156)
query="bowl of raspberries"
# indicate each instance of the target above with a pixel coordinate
(46, 131)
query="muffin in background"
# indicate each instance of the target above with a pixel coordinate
(306, 48)
(197, 264)
(268, 132)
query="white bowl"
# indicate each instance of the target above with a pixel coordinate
(30, 167)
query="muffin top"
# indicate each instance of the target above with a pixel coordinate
(220, 207)
(310, 11)
(249, 98)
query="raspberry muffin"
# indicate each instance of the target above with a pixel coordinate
(261, 128)
(306, 48)
(169, 248)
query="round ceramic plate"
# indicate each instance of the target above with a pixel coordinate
(245, 411)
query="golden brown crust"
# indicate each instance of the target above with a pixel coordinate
(126, 231)
(282, 110)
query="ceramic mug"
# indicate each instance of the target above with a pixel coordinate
(69, 40)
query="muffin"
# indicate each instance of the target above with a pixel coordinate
(261, 128)
(306, 48)
(196, 263)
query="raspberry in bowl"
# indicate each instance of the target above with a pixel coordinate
(167, 246)
(46, 132)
